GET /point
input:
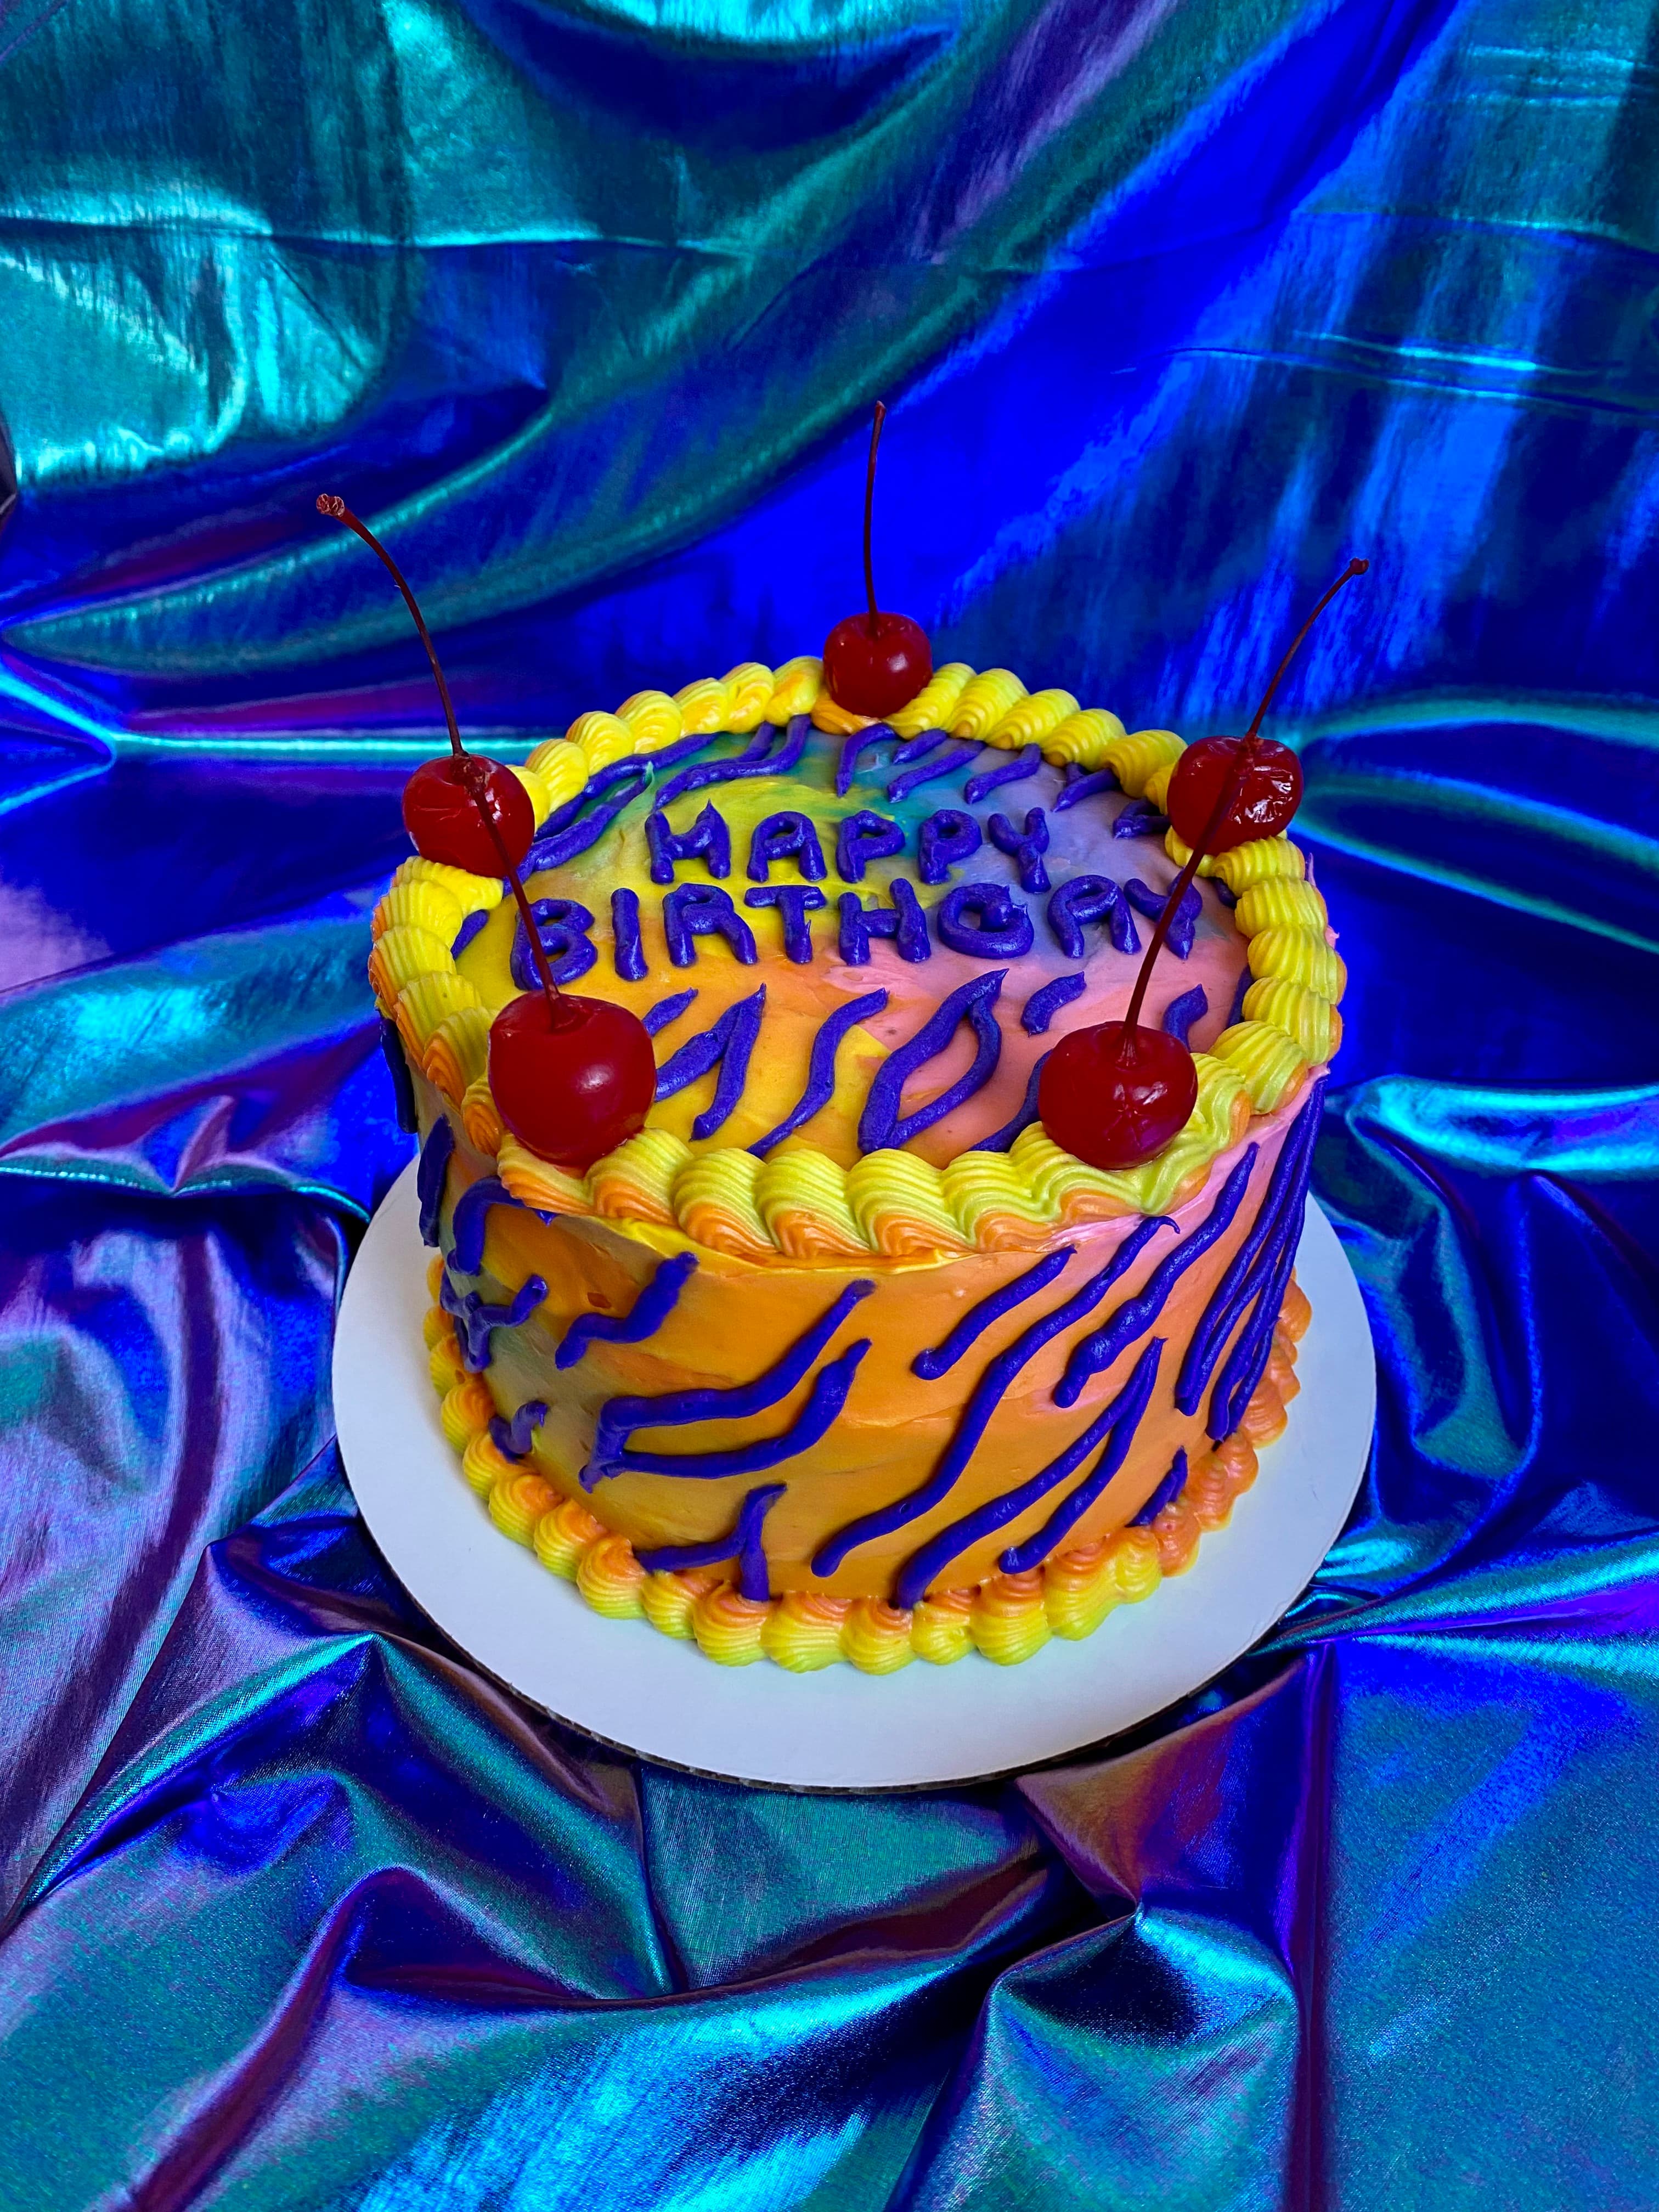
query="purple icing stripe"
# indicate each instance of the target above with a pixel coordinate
(643, 1319)
(1166, 1493)
(1024, 1115)
(729, 1043)
(468, 930)
(403, 1088)
(774, 752)
(1141, 818)
(854, 750)
(881, 1125)
(816, 1418)
(1117, 1423)
(1044, 1004)
(556, 850)
(620, 770)
(1245, 1271)
(918, 748)
(1023, 763)
(512, 1438)
(467, 1225)
(666, 1011)
(620, 1416)
(1245, 980)
(1084, 787)
(1096, 1352)
(1126, 1410)
(1247, 1363)
(475, 1319)
(987, 1395)
(938, 764)
(1180, 1013)
(429, 1176)
(743, 1545)
(821, 1068)
(943, 1356)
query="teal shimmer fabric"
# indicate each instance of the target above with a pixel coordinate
(583, 302)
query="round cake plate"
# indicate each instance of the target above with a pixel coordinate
(837, 1728)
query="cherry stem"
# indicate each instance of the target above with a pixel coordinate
(329, 502)
(1223, 807)
(869, 511)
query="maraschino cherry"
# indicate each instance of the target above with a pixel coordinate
(572, 1077)
(448, 805)
(874, 664)
(1117, 1094)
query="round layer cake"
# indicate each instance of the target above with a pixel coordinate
(840, 1356)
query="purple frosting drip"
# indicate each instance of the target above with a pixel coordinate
(467, 1222)
(1141, 818)
(429, 1176)
(814, 1421)
(708, 840)
(1024, 764)
(676, 1409)
(1084, 787)
(1002, 930)
(938, 764)
(882, 1126)
(1025, 847)
(667, 1009)
(1123, 1418)
(1167, 1491)
(774, 752)
(854, 750)
(785, 836)
(794, 902)
(903, 922)
(475, 1320)
(947, 840)
(1180, 1013)
(743, 1545)
(943, 1356)
(558, 849)
(730, 1042)
(694, 910)
(1096, 1352)
(468, 930)
(1045, 1002)
(1146, 901)
(403, 1088)
(627, 952)
(512, 1438)
(988, 1395)
(1254, 1261)
(643, 1319)
(861, 838)
(1084, 899)
(1000, 1139)
(562, 925)
(821, 1068)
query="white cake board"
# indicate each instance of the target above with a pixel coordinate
(835, 1730)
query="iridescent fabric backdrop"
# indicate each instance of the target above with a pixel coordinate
(1177, 302)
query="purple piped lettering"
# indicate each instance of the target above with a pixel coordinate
(1146, 901)
(1180, 1013)
(674, 1409)
(1025, 847)
(643, 1319)
(943, 1356)
(786, 836)
(794, 902)
(708, 840)
(1046, 1002)
(1024, 764)
(562, 925)
(429, 1174)
(903, 922)
(882, 1127)
(821, 1068)
(627, 950)
(694, 910)
(985, 920)
(743, 1545)
(987, 1395)
(729, 1044)
(1084, 899)
(863, 837)
(1097, 1353)
(947, 839)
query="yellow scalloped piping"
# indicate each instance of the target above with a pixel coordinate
(1008, 1618)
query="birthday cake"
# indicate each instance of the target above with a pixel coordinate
(841, 1355)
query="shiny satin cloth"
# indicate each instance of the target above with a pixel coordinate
(1175, 306)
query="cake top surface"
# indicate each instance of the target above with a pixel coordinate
(854, 942)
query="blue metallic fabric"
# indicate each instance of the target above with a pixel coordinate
(1176, 307)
